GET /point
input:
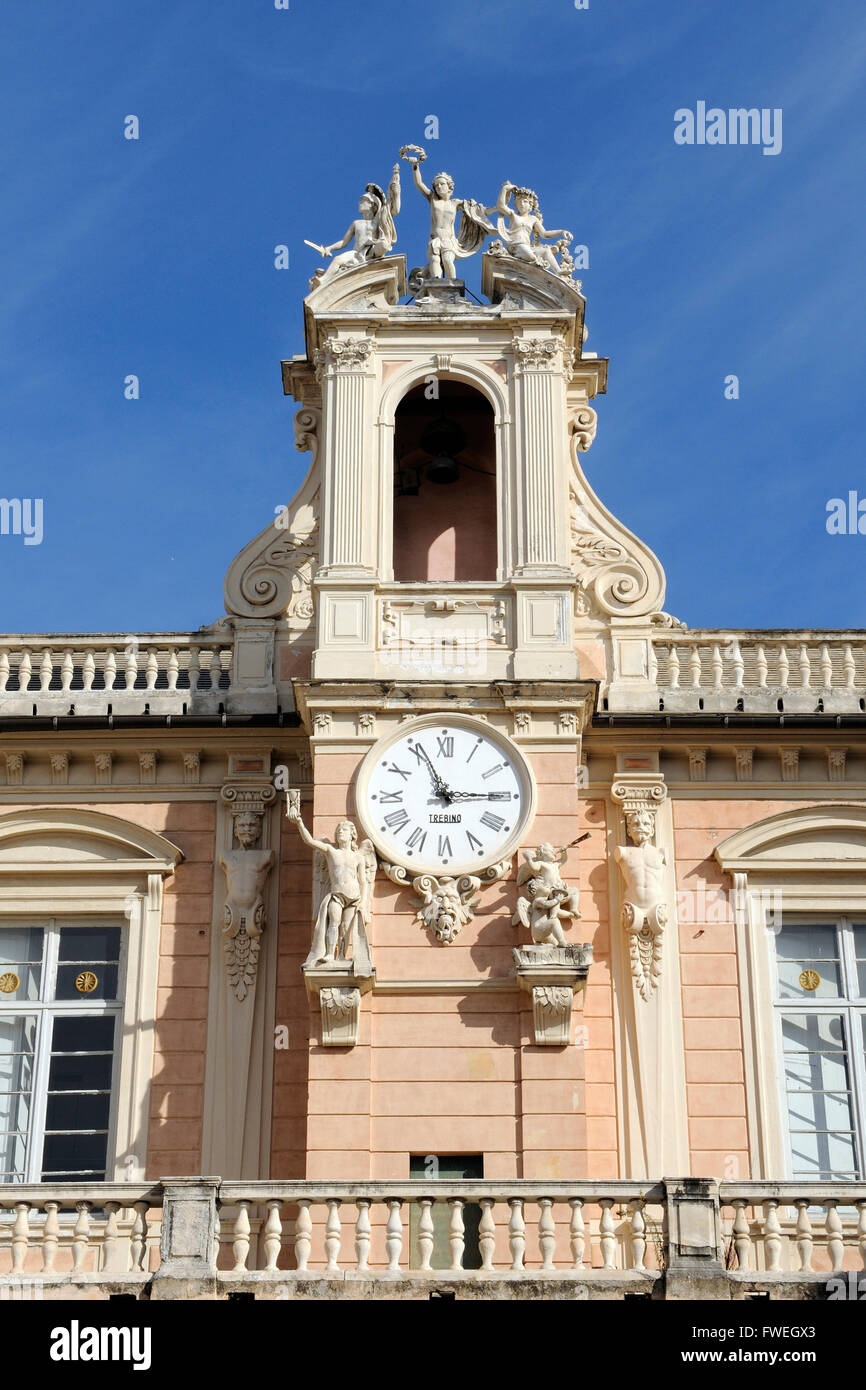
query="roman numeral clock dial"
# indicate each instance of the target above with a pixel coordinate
(446, 794)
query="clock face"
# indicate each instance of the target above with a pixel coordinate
(445, 795)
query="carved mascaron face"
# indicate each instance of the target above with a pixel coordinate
(446, 794)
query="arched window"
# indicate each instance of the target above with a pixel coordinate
(444, 485)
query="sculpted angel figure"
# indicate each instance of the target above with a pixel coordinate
(644, 912)
(523, 236)
(372, 234)
(549, 898)
(343, 874)
(447, 245)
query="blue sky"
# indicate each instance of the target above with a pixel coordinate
(259, 126)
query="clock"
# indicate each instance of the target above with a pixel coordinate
(445, 794)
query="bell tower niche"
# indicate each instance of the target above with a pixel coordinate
(445, 485)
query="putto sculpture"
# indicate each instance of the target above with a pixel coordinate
(372, 235)
(343, 874)
(446, 244)
(548, 898)
(522, 235)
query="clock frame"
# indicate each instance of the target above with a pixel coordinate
(392, 852)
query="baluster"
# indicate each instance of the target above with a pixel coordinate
(111, 1256)
(763, 667)
(835, 1240)
(151, 670)
(241, 1241)
(25, 670)
(273, 1234)
(742, 1236)
(4, 669)
(739, 666)
(850, 668)
(516, 1233)
(577, 1232)
(46, 671)
(804, 1234)
(362, 1234)
(139, 1235)
(861, 1232)
(20, 1236)
(394, 1236)
(226, 660)
(217, 1232)
(546, 1232)
(333, 1231)
(805, 667)
(653, 666)
(718, 667)
(456, 1240)
(673, 668)
(826, 667)
(50, 1236)
(303, 1235)
(131, 665)
(607, 1235)
(109, 670)
(81, 1236)
(88, 671)
(425, 1232)
(784, 668)
(638, 1236)
(192, 668)
(772, 1235)
(173, 668)
(67, 669)
(695, 666)
(208, 659)
(486, 1234)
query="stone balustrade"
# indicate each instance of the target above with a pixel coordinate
(207, 1238)
(726, 672)
(162, 673)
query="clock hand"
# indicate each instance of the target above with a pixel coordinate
(442, 788)
(481, 796)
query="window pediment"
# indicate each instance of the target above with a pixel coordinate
(813, 839)
(61, 839)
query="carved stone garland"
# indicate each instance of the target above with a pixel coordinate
(246, 872)
(642, 866)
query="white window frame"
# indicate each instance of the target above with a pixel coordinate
(806, 863)
(79, 866)
(46, 1009)
(852, 1005)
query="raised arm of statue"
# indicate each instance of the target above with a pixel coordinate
(419, 182)
(295, 817)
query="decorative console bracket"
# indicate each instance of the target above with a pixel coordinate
(339, 990)
(552, 975)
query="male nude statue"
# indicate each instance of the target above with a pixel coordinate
(343, 876)
(246, 870)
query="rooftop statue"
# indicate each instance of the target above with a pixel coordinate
(523, 235)
(446, 244)
(373, 233)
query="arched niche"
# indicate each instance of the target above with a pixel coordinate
(445, 485)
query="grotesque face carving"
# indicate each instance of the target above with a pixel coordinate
(247, 827)
(640, 825)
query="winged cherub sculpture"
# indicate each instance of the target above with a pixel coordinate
(523, 236)
(548, 898)
(372, 234)
(343, 874)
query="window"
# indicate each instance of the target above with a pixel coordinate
(60, 1004)
(821, 1009)
(432, 1169)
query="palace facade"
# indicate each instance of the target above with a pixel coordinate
(573, 1006)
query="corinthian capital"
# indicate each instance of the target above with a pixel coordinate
(341, 354)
